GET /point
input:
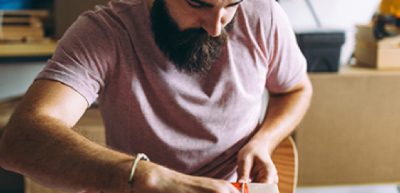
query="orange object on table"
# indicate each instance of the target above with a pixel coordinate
(239, 187)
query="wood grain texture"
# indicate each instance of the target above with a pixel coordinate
(45, 47)
(286, 161)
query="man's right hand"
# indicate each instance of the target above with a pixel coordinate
(150, 177)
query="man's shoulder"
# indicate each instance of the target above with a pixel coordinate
(258, 8)
(111, 18)
(114, 9)
(119, 6)
(256, 16)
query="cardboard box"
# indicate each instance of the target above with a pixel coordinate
(351, 132)
(322, 48)
(383, 54)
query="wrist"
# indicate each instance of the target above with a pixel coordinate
(265, 141)
(119, 176)
(150, 177)
(139, 157)
(143, 175)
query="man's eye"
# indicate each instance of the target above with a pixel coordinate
(194, 4)
(235, 4)
(198, 4)
(232, 6)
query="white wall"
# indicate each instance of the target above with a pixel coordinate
(15, 78)
(336, 14)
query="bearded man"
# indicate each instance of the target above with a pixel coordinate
(180, 81)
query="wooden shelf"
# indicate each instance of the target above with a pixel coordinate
(29, 49)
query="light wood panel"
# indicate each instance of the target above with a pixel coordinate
(286, 162)
(19, 49)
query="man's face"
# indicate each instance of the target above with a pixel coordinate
(192, 32)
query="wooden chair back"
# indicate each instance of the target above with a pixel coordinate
(286, 161)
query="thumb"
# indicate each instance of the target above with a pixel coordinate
(244, 169)
(272, 175)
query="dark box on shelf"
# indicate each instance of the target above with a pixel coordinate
(11, 182)
(321, 48)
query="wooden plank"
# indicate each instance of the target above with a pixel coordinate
(21, 29)
(22, 25)
(32, 49)
(19, 33)
(16, 21)
(36, 22)
(8, 20)
(26, 13)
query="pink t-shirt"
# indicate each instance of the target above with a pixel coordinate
(195, 124)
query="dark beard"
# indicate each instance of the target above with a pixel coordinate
(191, 50)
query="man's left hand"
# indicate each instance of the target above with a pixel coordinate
(255, 164)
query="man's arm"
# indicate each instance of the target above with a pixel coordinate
(285, 111)
(39, 142)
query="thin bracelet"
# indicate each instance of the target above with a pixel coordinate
(139, 156)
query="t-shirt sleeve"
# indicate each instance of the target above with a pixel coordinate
(287, 65)
(82, 57)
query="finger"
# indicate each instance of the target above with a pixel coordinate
(272, 176)
(261, 176)
(244, 169)
(265, 172)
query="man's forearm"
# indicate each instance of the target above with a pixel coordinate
(58, 157)
(284, 113)
(42, 148)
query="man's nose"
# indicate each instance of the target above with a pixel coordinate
(214, 23)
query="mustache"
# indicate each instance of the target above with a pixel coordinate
(188, 35)
(198, 34)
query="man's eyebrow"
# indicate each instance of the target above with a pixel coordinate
(205, 4)
(235, 3)
(202, 3)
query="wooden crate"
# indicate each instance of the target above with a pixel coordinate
(44, 47)
(22, 25)
(369, 52)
